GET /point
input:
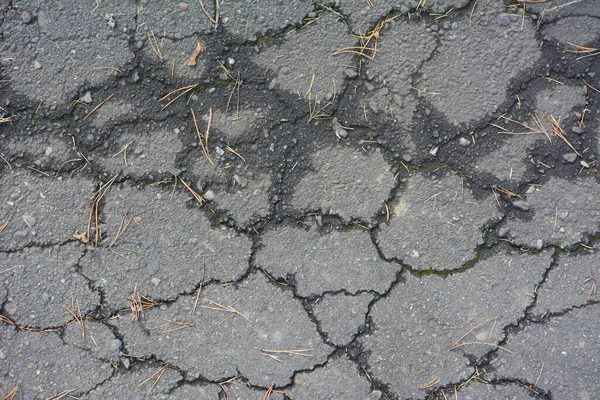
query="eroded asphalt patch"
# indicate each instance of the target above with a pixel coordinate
(299, 200)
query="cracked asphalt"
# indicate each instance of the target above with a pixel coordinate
(329, 199)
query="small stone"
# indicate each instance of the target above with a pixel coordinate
(530, 189)
(152, 268)
(219, 150)
(570, 157)
(10, 308)
(539, 244)
(272, 84)
(36, 64)
(339, 130)
(576, 129)
(183, 6)
(464, 142)
(29, 220)
(147, 242)
(398, 100)
(87, 97)
(406, 157)
(26, 17)
(521, 205)
(502, 232)
(351, 72)
(209, 195)
(584, 164)
(116, 343)
(434, 151)
(155, 281)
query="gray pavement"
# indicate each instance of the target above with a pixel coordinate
(349, 199)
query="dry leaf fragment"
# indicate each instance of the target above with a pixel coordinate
(199, 49)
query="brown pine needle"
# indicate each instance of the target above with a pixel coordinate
(580, 49)
(590, 86)
(155, 45)
(11, 395)
(487, 344)
(180, 325)
(213, 20)
(95, 213)
(60, 395)
(268, 393)
(155, 377)
(181, 91)
(493, 319)
(506, 192)
(139, 303)
(593, 290)
(6, 161)
(98, 106)
(231, 150)
(3, 226)
(196, 195)
(197, 51)
(203, 139)
(77, 319)
(193, 310)
(218, 307)
(225, 69)
(431, 383)
(297, 352)
(122, 228)
(558, 131)
(274, 357)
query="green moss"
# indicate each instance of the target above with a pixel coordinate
(223, 83)
(427, 272)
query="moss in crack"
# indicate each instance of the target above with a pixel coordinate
(426, 272)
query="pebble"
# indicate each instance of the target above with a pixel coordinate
(26, 17)
(219, 150)
(521, 205)
(272, 84)
(464, 142)
(209, 195)
(147, 243)
(570, 157)
(152, 268)
(87, 97)
(351, 72)
(155, 281)
(339, 130)
(10, 308)
(36, 64)
(539, 244)
(116, 343)
(183, 6)
(576, 129)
